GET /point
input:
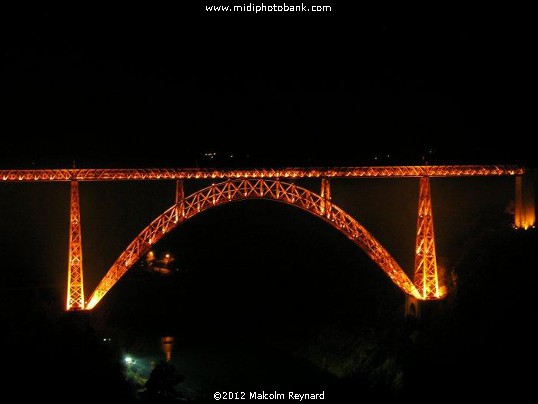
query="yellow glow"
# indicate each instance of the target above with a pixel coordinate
(91, 304)
(525, 214)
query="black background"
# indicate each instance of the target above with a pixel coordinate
(153, 86)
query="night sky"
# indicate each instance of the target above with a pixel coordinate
(140, 86)
(148, 87)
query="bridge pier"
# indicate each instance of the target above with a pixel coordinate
(180, 191)
(75, 281)
(326, 197)
(426, 277)
(525, 214)
(180, 196)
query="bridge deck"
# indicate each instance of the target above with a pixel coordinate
(136, 174)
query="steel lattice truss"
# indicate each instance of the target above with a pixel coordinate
(134, 174)
(237, 190)
(75, 284)
(426, 279)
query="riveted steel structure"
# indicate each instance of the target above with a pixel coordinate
(241, 184)
(237, 190)
(75, 279)
(426, 274)
(130, 174)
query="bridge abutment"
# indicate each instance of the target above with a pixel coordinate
(525, 214)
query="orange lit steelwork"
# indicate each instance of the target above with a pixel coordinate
(180, 196)
(167, 344)
(210, 173)
(325, 197)
(237, 190)
(180, 192)
(426, 276)
(524, 215)
(265, 183)
(75, 281)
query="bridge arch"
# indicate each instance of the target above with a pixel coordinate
(242, 189)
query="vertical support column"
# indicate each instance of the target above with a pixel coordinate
(525, 215)
(426, 277)
(180, 196)
(167, 344)
(75, 282)
(326, 197)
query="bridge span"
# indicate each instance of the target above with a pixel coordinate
(271, 184)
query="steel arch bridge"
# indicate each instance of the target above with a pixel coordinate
(238, 190)
(241, 184)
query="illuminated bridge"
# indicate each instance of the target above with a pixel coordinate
(271, 184)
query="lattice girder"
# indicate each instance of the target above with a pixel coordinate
(136, 174)
(75, 280)
(241, 189)
(426, 277)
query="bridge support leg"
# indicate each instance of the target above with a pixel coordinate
(525, 215)
(180, 191)
(326, 197)
(180, 204)
(180, 195)
(426, 275)
(412, 307)
(75, 281)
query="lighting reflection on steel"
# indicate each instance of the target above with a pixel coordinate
(137, 174)
(237, 190)
(426, 275)
(75, 281)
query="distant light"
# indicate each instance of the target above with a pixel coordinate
(167, 255)
(128, 360)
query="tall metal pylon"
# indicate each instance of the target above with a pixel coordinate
(326, 197)
(426, 277)
(75, 281)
